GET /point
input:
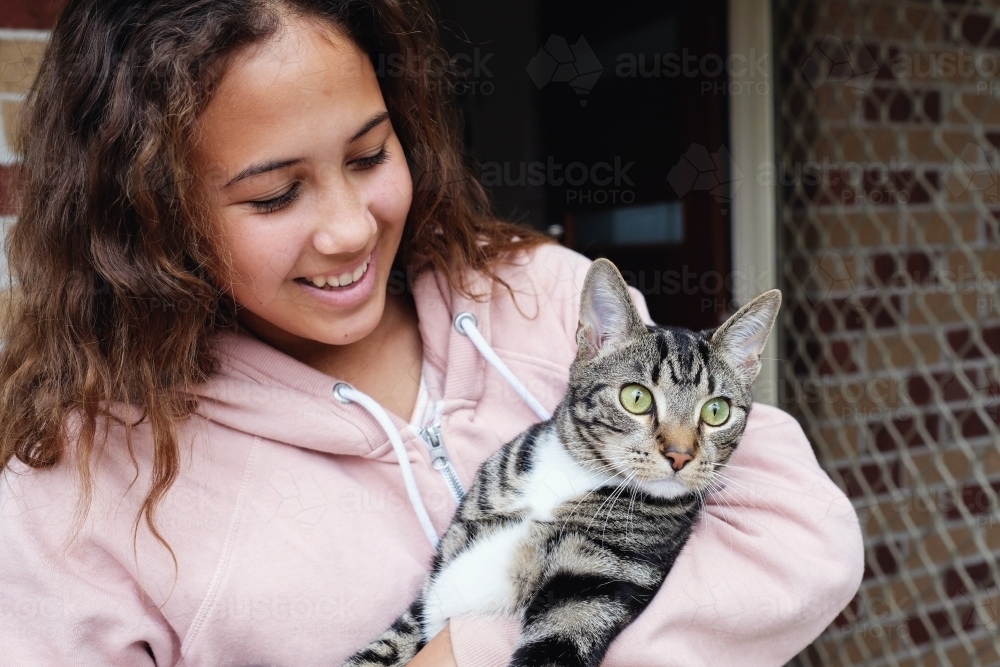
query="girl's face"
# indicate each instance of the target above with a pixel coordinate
(310, 183)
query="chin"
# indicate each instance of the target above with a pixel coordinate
(669, 487)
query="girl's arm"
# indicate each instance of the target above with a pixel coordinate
(72, 604)
(437, 653)
(772, 561)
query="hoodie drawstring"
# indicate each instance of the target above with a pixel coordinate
(345, 393)
(466, 324)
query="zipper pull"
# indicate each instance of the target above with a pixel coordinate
(440, 461)
(432, 436)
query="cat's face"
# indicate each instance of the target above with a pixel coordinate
(664, 407)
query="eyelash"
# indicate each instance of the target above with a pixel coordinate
(290, 195)
(369, 162)
(282, 200)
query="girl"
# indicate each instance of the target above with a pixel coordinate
(238, 403)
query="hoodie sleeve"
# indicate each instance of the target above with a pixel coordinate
(772, 560)
(67, 605)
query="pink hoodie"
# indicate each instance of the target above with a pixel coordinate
(296, 541)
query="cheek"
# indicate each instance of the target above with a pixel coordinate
(262, 254)
(392, 193)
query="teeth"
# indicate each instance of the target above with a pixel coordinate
(344, 279)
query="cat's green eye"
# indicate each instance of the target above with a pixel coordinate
(715, 412)
(636, 399)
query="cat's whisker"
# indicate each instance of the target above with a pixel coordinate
(617, 494)
(741, 516)
(734, 482)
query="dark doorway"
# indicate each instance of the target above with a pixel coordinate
(607, 124)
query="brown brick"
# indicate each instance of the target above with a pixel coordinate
(991, 336)
(836, 443)
(976, 499)
(954, 387)
(875, 479)
(934, 227)
(983, 108)
(964, 344)
(977, 28)
(30, 14)
(7, 206)
(890, 351)
(884, 267)
(896, 105)
(971, 424)
(978, 572)
(940, 308)
(939, 466)
(920, 145)
(19, 60)
(923, 22)
(878, 310)
(889, 272)
(9, 111)
(879, 559)
(909, 430)
(938, 626)
(965, 538)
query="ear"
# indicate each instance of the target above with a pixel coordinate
(607, 314)
(742, 338)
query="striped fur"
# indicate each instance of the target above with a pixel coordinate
(574, 525)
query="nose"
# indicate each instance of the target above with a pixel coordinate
(344, 224)
(678, 459)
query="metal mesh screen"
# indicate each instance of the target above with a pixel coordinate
(888, 122)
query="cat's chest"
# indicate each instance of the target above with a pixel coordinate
(488, 575)
(555, 478)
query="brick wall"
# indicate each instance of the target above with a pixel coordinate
(23, 26)
(888, 121)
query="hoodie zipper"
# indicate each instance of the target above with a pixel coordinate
(440, 461)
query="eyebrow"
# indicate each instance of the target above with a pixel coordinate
(372, 123)
(273, 165)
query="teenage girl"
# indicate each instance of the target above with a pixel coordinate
(264, 330)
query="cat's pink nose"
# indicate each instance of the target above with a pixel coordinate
(678, 459)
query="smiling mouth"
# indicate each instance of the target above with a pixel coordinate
(341, 281)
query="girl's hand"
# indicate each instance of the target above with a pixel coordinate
(437, 652)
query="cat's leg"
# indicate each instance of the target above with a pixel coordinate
(396, 646)
(574, 617)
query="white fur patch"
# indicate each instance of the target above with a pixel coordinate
(665, 488)
(555, 478)
(472, 582)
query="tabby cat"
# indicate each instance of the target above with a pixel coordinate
(574, 524)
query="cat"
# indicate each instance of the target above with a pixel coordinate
(574, 524)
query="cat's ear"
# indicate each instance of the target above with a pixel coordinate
(607, 314)
(741, 339)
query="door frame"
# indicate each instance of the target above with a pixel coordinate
(751, 134)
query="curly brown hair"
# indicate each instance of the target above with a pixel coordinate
(113, 226)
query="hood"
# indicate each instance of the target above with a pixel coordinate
(262, 391)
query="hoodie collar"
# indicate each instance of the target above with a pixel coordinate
(262, 391)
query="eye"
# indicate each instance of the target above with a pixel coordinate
(372, 160)
(282, 200)
(636, 399)
(715, 412)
